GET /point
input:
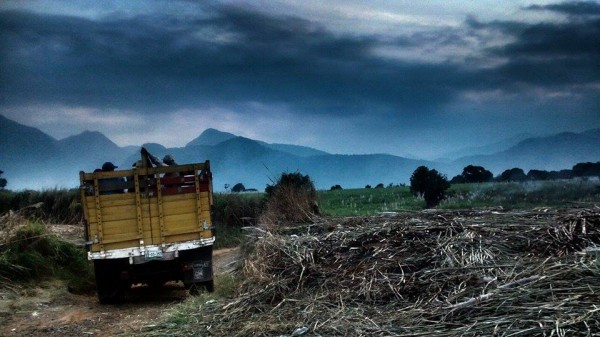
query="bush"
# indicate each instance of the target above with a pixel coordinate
(52, 205)
(30, 252)
(430, 184)
(239, 187)
(292, 199)
(235, 210)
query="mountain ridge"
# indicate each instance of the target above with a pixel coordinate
(39, 161)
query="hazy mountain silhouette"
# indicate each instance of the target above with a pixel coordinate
(551, 153)
(485, 149)
(211, 137)
(32, 159)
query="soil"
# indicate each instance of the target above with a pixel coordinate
(49, 309)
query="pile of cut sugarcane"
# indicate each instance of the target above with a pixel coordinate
(431, 273)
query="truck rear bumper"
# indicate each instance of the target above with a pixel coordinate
(144, 254)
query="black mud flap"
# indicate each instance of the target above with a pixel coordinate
(201, 271)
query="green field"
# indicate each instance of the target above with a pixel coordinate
(525, 195)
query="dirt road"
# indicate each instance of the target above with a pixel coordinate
(50, 310)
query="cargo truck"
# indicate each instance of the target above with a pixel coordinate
(150, 224)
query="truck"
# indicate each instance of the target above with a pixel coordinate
(150, 224)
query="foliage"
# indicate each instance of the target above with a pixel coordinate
(239, 187)
(52, 205)
(522, 195)
(473, 174)
(380, 185)
(586, 169)
(228, 236)
(3, 181)
(335, 188)
(292, 199)
(430, 184)
(32, 253)
(235, 210)
(513, 174)
(418, 180)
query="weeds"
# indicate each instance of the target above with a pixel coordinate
(28, 252)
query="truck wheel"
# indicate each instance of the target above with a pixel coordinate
(210, 286)
(198, 287)
(108, 285)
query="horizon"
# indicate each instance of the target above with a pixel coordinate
(315, 148)
(416, 80)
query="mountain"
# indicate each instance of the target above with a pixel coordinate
(552, 153)
(32, 159)
(297, 150)
(211, 137)
(486, 149)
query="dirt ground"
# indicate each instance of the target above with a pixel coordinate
(50, 310)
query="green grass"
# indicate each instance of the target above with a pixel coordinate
(33, 254)
(57, 205)
(360, 202)
(370, 201)
(228, 236)
(183, 319)
(522, 195)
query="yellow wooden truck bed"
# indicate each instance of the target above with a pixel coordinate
(144, 215)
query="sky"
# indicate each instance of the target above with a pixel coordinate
(409, 78)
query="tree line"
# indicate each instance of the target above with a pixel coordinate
(478, 174)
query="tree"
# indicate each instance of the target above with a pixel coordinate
(586, 169)
(418, 180)
(368, 186)
(335, 188)
(239, 187)
(458, 179)
(513, 174)
(380, 185)
(538, 175)
(430, 184)
(476, 174)
(3, 181)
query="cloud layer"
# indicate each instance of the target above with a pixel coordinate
(252, 62)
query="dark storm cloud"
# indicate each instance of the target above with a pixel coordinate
(571, 8)
(228, 55)
(545, 55)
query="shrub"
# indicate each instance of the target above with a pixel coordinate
(29, 252)
(514, 174)
(239, 187)
(292, 199)
(235, 210)
(430, 184)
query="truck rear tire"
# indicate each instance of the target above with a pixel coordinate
(109, 286)
(197, 287)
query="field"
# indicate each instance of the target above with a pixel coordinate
(491, 260)
(526, 195)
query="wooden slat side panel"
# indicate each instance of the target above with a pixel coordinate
(118, 245)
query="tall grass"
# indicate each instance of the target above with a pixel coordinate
(522, 195)
(52, 205)
(28, 252)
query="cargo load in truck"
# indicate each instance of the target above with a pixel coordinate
(150, 224)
